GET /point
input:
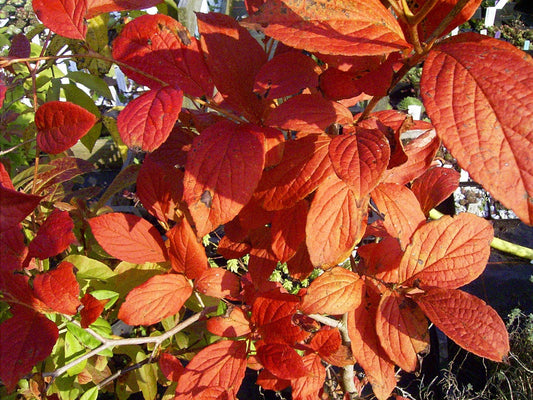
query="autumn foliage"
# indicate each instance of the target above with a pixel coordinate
(269, 149)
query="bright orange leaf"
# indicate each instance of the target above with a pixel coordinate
(186, 254)
(170, 366)
(309, 386)
(233, 323)
(219, 283)
(435, 186)
(288, 230)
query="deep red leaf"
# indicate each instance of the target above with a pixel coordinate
(63, 170)
(15, 206)
(435, 186)
(186, 254)
(161, 47)
(478, 94)
(64, 17)
(3, 91)
(234, 58)
(60, 125)
(280, 187)
(267, 380)
(282, 361)
(336, 291)
(222, 172)
(58, 289)
(344, 27)
(146, 121)
(230, 249)
(170, 366)
(103, 6)
(326, 341)
(128, 238)
(300, 265)
(92, 309)
(288, 230)
(402, 329)
(54, 236)
(20, 47)
(447, 253)
(159, 297)
(467, 320)
(15, 289)
(172, 154)
(221, 364)
(21, 348)
(381, 259)
(13, 250)
(401, 211)
(308, 387)
(219, 283)
(275, 80)
(233, 323)
(335, 205)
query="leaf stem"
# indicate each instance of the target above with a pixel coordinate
(497, 243)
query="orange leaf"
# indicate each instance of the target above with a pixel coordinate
(280, 187)
(146, 121)
(481, 102)
(360, 159)
(467, 320)
(282, 361)
(336, 291)
(92, 309)
(335, 205)
(161, 47)
(309, 386)
(267, 380)
(300, 265)
(159, 297)
(58, 289)
(54, 236)
(366, 348)
(435, 186)
(170, 366)
(219, 283)
(221, 364)
(229, 249)
(288, 230)
(64, 17)
(232, 324)
(447, 253)
(326, 342)
(381, 259)
(401, 210)
(128, 238)
(60, 124)
(186, 254)
(343, 27)
(223, 169)
(402, 329)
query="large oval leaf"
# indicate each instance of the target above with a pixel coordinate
(478, 94)
(64, 17)
(128, 238)
(467, 320)
(146, 122)
(159, 297)
(58, 289)
(361, 27)
(447, 253)
(222, 172)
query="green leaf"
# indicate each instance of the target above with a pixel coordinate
(82, 336)
(108, 295)
(147, 378)
(92, 82)
(74, 350)
(91, 394)
(89, 268)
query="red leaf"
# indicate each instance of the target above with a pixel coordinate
(21, 347)
(222, 172)
(326, 342)
(146, 122)
(219, 283)
(336, 291)
(344, 27)
(382, 259)
(221, 364)
(20, 46)
(435, 186)
(54, 236)
(58, 289)
(481, 102)
(162, 48)
(103, 6)
(234, 58)
(233, 323)
(305, 113)
(282, 361)
(308, 387)
(60, 125)
(402, 329)
(467, 320)
(230, 249)
(13, 250)
(186, 254)
(92, 309)
(360, 160)
(15, 206)
(16, 290)
(401, 210)
(335, 205)
(170, 366)
(379, 369)
(159, 297)
(300, 265)
(64, 17)
(288, 230)
(274, 146)
(128, 238)
(279, 187)
(448, 253)
(267, 380)
(274, 80)
(3, 91)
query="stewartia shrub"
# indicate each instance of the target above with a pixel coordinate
(268, 149)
